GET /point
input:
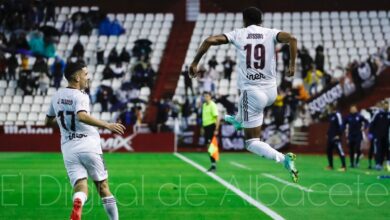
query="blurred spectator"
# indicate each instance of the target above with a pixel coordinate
(186, 112)
(12, 66)
(303, 95)
(3, 41)
(104, 96)
(306, 61)
(320, 58)
(313, 79)
(149, 76)
(286, 59)
(107, 72)
(118, 70)
(187, 82)
(213, 62)
(100, 55)
(78, 50)
(25, 63)
(278, 110)
(127, 117)
(36, 43)
(228, 65)
(67, 26)
(291, 104)
(228, 105)
(113, 56)
(207, 84)
(57, 70)
(142, 49)
(3, 66)
(162, 115)
(44, 82)
(124, 56)
(23, 81)
(50, 11)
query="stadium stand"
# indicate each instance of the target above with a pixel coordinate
(16, 108)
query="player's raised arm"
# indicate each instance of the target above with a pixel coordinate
(89, 120)
(210, 41)
(288, 38)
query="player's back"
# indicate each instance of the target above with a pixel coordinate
(256, 54)
(76, 136)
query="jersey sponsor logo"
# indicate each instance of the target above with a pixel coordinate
(254, 36)
(65, 101)
(255, 76)
(117, 142)
(72, 136)
(13, 129)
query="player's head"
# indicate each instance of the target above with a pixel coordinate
(207, 96)
(353, 109)
(252, 16)
(77, 74)
(385, 105)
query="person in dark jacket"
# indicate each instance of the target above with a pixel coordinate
(335, 132)
(355, 124)
(379, 130)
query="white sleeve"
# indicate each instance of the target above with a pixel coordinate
(82, 103)
(50, 112)
(231, 36)
(275, 33)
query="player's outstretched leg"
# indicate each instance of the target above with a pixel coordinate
(108, 199)
(79, 198)
(231, 119)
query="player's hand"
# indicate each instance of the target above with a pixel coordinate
(116, 128)
(216, 132)
(291, 70)
(193, 71)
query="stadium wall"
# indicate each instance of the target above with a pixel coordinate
(47, 139)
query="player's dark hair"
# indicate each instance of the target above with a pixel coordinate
(72, 68)
(252, 15)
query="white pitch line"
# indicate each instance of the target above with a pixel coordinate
(242, 166)
(287, 183)
(240, 193)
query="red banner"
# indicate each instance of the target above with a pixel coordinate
(47, 139)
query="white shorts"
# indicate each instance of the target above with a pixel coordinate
(82, 165)
(252, 104)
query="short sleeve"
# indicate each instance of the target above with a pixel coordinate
(82, 103)
(275, 33)
(215, 110)
(231, 36)
(50, 112)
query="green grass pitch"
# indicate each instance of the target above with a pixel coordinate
(161, 186)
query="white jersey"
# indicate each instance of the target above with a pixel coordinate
(76, 137)
(256, 56)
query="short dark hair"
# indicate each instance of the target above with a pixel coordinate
(72, 68)
(252, 15)
(207, 93)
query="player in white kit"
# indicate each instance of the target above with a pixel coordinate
(256, 79)
(80, 140)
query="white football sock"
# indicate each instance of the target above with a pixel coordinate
(109, 204)
(263, 149)
(80, 195)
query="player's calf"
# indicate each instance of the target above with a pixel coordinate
(108, 200)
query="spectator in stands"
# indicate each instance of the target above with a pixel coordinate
(285, 57)
(278, 110)
(306, 61)
(127, 117)
(228, 65)
(108, 73)
(3, 40)
(118, 70)
(57, 71)
(303, 95)
(213, 63)
(207, 83)
(36, 43)
(100, 55)
(149, 76)
(228, 105)
(313, 79)
(124, 56)
(50, 11)
(3, 66)
(142, 48)
(25, 63)
(78, 50)
(186, 112)
(12, 66)
(104, 96)
(44, 83)
(113, 56)
(77, 22)
(320, 58)
(291, 104)
(187, 82)
(67, 26)
(162, 114)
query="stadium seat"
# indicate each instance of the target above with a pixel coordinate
(32, 116)
(11, 116)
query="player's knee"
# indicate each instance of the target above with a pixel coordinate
(103, 188)
(249, 142)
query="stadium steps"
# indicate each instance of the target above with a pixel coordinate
(171, 64)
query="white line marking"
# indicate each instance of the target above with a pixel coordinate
(243, 195)
(287, 183)
(240, 165)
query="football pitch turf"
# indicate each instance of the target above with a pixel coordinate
(163, 186)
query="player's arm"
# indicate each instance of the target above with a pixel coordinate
(50, 121)
(289, 39)
(210, 41)
(89, 120)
